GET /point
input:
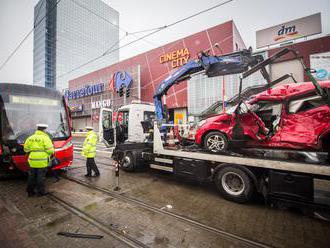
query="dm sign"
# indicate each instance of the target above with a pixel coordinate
(85, 91)
(302, 27)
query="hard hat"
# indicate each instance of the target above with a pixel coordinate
(42, 125)
(89, 127)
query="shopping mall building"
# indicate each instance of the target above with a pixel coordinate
(88, 93)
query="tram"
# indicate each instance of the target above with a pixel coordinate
(21, 108)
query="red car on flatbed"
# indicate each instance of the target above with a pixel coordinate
(287, 116)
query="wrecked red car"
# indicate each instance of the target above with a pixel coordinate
(289, 116)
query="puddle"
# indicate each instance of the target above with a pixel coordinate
(109, 199)
(90, 207)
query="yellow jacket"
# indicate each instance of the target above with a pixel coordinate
(89, 147)
(40, 147)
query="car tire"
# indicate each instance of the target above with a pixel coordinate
(234, 184)
(128, 162)
(215, 142)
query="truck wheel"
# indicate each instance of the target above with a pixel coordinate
(128, 162)
(215, 142)
(234, 184)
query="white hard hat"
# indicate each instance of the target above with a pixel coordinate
(43, 125)
(89, 127)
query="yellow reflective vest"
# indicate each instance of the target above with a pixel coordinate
(40, 147)
(89, 147)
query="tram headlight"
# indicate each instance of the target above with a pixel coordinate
(67, 145)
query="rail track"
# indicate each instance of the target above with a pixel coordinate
(177, 217)
(111, 231)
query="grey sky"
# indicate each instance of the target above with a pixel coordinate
(16, 19)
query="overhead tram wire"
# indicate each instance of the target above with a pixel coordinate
(92, 60)
(147, 35)
(27, 35)
(147, 30)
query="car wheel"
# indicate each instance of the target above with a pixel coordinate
(128, 162)
(234, 184)
(215, 142)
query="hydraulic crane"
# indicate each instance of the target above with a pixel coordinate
(211, 65)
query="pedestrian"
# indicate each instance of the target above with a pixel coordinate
(89, 151)
(39, 147)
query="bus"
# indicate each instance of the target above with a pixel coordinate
(21, 108)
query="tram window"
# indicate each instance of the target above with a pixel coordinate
(22, 115)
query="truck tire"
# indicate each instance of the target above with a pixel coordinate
(128, 162)
(234, 184)
(215, 142)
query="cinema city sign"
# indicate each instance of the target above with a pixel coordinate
(177, 58)
(85, 91)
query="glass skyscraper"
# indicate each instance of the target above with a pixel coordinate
(69, 34)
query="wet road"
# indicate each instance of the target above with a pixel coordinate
(207, 219)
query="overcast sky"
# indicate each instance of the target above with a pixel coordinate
(16, 20)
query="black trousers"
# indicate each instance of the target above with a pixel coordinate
(91, 166)
(36, 181)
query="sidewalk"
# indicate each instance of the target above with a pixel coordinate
(10, 234)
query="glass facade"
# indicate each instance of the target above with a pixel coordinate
(204, 91)
(72, 34)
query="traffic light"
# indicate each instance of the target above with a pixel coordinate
(127, 92)
(121, 91)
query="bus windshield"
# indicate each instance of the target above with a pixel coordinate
(20, 115)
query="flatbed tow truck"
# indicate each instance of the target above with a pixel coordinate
(236, 176)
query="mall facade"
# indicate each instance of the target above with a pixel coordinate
(88, 93)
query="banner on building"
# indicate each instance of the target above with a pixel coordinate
(76, 108)
(321, 63)
(101, 104)
(295, 29)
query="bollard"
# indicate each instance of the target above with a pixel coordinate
(117, 188)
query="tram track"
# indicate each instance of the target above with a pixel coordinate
(227, 235)
(111, 231)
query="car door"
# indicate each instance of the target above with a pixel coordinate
(106, 127)
(247, 121)
(303, 121)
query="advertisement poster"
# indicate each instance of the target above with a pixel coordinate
(321, 63)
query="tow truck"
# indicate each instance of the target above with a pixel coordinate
(237, 177)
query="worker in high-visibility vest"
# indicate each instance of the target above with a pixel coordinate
(89, 151)
(39, 147)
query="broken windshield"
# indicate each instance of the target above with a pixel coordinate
(21, 114)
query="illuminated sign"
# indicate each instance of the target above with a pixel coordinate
(301, 27)
(33, 100)
(85, 91)
(76, 108)
(177, 58)
(101, 104)
(119, 81)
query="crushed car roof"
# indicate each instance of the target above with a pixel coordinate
(285, 91)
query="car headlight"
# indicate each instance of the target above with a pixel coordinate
(201, 123)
